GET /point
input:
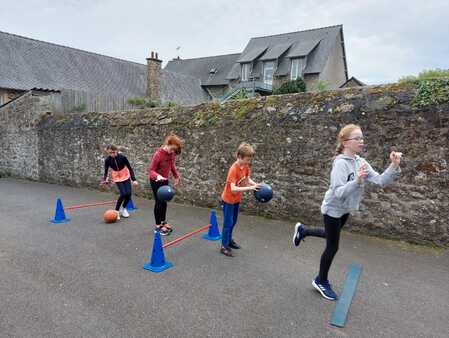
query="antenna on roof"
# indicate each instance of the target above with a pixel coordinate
(177, 51)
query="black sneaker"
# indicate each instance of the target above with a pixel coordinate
(226, 251)
(167, 226)
(163, 231)
(298, 236)
(234, 245)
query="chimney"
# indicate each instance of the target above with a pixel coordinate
(154, 77)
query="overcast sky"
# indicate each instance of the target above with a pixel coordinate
(384, 39)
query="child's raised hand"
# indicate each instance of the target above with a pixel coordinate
(362, 173)
(395, 158)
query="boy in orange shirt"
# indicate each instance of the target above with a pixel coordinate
(237, 182)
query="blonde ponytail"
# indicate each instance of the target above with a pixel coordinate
(339, 148)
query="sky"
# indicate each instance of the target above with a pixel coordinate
(384, 40)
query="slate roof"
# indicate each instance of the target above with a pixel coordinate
(313, 46)
(28, 63)
(182, 89)
(211, 70)
(251, 54)
(353, 81)
(316, 44)
(302, 48)
(274, 52)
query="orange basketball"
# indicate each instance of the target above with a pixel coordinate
(110, 216)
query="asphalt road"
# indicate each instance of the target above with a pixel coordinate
(85, 278)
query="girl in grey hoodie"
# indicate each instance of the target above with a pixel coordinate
(348, 176)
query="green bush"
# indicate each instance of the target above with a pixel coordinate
(429, 92)
(142, 102)
(241, 95)
(137, 101)
(294, 86)
(428, 74)
(151, 103)
(79, 109)
(432, 86)
(171, 104)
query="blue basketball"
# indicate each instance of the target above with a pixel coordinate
(165, 193)
(264, 194)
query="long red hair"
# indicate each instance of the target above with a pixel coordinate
(174, 140)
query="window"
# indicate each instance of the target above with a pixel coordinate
(297, 69)
(295, 73)
(268, 71)
(245, 71)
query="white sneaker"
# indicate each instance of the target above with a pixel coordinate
(125, 213)
(118, 216)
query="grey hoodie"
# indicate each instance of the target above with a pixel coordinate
(345, 193)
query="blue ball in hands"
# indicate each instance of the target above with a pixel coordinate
(264, 194)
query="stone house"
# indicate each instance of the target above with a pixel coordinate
(265, 62)
(268, 61)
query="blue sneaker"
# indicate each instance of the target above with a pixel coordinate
(324, 288)
(298, 236)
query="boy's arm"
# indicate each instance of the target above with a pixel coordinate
(235, 188)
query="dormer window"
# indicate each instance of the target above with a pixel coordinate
(245, 71)
(297, 68)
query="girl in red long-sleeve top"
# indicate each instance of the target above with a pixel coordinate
(162, 163)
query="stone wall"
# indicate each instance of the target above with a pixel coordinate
(19, 136)
(294, 137)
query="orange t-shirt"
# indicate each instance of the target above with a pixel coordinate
(239, 176)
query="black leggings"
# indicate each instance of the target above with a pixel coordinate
(125, 193)
(331, 231)
(160, 207)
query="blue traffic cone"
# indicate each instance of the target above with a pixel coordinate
(158, 262)
(130, 206)
(214, 233)
(59, 213)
